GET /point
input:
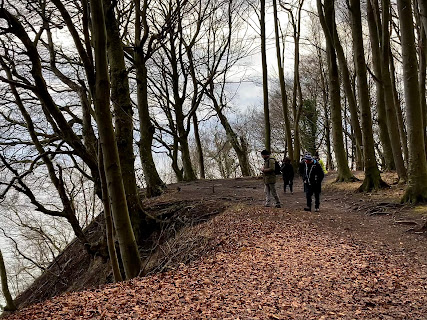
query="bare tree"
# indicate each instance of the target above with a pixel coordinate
(416, 190)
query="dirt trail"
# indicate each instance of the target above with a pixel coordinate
(266, 263)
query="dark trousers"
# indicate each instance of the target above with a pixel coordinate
(288, 182)
(309, 191)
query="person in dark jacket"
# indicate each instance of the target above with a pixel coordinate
(312, 177)
(287, 174)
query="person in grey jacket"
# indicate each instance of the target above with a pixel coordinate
(269, 175)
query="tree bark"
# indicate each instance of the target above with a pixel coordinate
(128, 247)
(199, 147)
(327, 20)
(352, 104)
(416, 190)
(267, 134)
(123, 116)
(109, 227)
(154, 184)
(399, 114)
(282, 86)
(392, 122)
(239, 147)
(10, 305)
(380, 99)
(372, 179)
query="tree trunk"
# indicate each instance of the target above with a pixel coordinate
(399, 114)
(154, 184)
(422, 56)
(380, 98)
(352, 104)
(128, 247)
(422, 5)
(10, 305)
(372, 179)
(329, 162)
(199, 147)
(417, 171)
(283, 87)
(123, 116)
(267, 129)
(327, 20)
(109, 227)
(239, 147)
(392, 123)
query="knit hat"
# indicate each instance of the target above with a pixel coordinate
(308, 156)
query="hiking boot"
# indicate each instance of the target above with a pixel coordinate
(316, 210)
(277, 206)
(307, 209)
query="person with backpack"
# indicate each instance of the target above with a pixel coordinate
(312, 176)
(269, 176)
(287, 174)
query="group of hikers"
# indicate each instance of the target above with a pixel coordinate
(310, 169)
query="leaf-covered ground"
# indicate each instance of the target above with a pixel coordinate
(263, 264)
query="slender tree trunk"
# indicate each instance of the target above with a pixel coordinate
(239, 147)
(154, 184)
(123, 116)
(109, 227)
(380, 99)
(329, 162)
(128, 247)
(399, 114)
(282, 86)
(199, 147)
(422, 5)
(265, 79)
(417, 171)
(372, 174)
(386, 83)
(179, 172)
(352, 104)
(10, 305)
(422, 56)
(327, 20)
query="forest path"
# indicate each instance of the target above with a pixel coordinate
(267, 263)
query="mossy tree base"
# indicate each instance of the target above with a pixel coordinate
(414, 195)
(370, 183)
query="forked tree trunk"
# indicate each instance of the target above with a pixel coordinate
(416, 190)
(128, 247)
(372, 174)
(10, 305)
(327, 19)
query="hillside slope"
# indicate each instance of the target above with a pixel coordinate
(253, 262)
